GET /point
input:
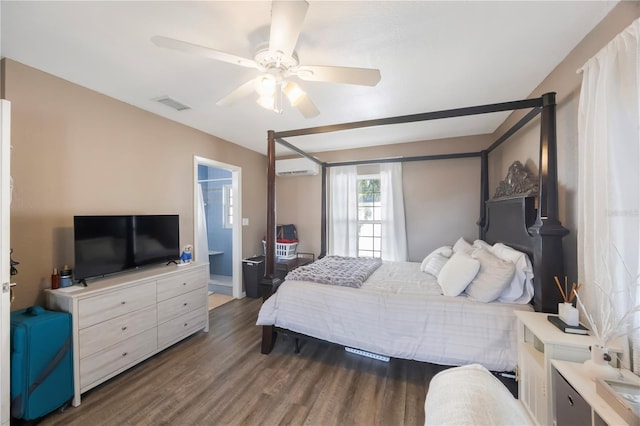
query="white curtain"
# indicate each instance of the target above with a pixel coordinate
(201, 245)
(343, 211)
(609, 180)
(394, 235)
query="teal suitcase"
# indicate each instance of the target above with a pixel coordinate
(41, 362)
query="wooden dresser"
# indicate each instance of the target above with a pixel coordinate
(120, 321)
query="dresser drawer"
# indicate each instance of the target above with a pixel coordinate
(180, 327)
(112, 359)
(99, 308)
(179, 284)
(181, 304)
(97, 337)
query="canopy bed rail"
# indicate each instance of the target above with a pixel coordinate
(542, 238)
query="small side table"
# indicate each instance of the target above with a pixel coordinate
(540, 342)
(268, 286)
(284, 266)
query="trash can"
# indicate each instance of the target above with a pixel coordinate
(252, 274)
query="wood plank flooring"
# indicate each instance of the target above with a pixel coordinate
(221, 378)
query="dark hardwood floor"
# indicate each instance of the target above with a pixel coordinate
(221, 378)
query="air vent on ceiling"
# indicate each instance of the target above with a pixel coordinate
(172, 103)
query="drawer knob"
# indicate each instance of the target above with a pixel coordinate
(123, 302)
(185, 304)
(570, 400)
(124, 327)
(124, 354)
(184, 283)
(185, 324)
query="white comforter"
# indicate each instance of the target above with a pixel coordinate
(399, 312)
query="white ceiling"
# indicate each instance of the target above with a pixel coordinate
(432, 56)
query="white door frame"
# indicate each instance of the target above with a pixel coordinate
(236, 229)
(5, 265)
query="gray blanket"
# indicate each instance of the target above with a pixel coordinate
(337, 270)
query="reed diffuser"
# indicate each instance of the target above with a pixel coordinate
(566, 311)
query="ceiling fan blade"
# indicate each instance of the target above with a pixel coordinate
(183, 46)
(359, 76)
(287, 18)
(238, 93)
(306, 107)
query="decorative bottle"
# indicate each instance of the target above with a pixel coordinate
(55, 279)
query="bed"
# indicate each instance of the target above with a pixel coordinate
(399, 311)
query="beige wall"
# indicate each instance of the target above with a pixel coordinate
(75, 151)
(442, 197)
(565, 81)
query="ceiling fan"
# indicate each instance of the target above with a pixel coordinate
(277, 61)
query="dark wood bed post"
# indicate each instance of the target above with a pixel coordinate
(269, 280)
(323, 214)
(484, 192)
(547, 227)
(271, 205)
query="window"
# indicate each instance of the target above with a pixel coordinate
(227, 206)
(369, 216)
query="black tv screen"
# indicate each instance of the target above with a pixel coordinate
(108, 244)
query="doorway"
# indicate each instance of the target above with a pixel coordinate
(218, 227)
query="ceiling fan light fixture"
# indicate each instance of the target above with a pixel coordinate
(269, 97)
(266, 85)
(294, 93)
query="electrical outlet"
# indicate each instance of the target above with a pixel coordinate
(245, 221)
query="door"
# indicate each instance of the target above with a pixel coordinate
(5, 267)
(235, 219)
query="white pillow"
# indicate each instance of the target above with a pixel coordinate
(457, 273)
(462, 245)
(521, 288)
(493, 277)
(435, 265)
(481, 244)
(445, 251)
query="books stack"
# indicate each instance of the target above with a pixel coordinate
(566, 328)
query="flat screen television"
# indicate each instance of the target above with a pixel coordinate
(106, 245)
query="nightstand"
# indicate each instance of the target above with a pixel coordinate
(283, 266)
(575, 390)
(540, 342)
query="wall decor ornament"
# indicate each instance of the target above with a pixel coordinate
(519, 182)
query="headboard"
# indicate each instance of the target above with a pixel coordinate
(516, 222)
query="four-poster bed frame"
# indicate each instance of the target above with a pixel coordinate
(515, 221)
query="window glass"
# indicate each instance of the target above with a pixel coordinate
(227, 206)
(369, 216)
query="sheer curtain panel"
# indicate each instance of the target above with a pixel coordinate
(394, 235)
(343, 211)
(609, 181)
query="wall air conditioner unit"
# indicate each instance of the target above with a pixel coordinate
(296, 167)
